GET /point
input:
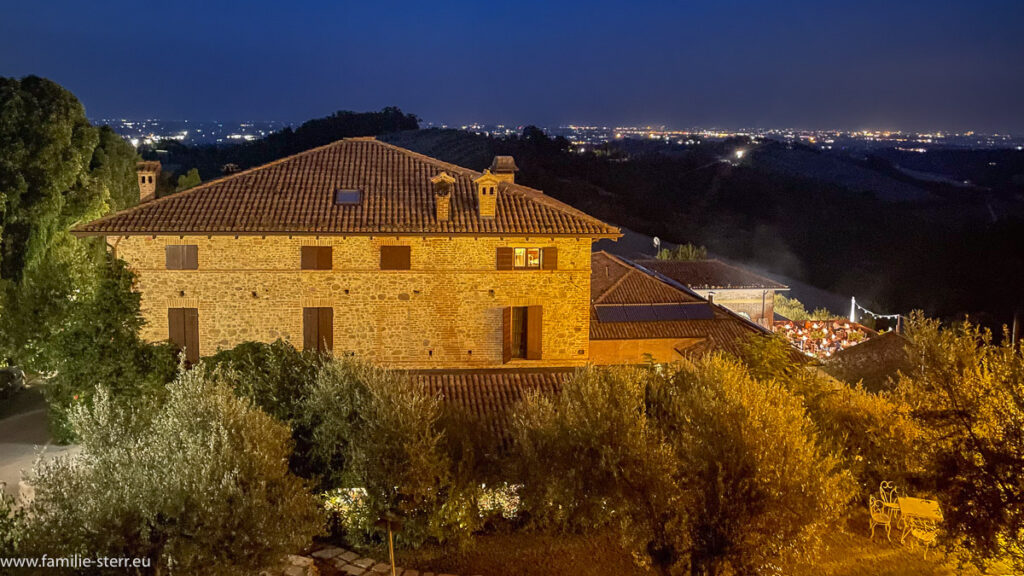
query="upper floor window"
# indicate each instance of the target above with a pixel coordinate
(527, 258)
(395, 257)
(182, 257)
(316, 257)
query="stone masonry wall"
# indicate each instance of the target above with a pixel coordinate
(443, 313)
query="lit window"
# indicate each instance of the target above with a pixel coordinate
(527, 258)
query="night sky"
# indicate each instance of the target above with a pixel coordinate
(917, 65)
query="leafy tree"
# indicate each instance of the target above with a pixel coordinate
(704, 464)
(196, 484)
(188, 180)
(372, 431)
(751, 458)
(590, 457)
(55, 170)
(968, 395)
(274, 376)
(873, 434)
(99, 347)
(684, 253)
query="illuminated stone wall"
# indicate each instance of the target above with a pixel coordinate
(443, 313)
(757, 304)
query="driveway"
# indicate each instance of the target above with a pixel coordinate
(22, 437)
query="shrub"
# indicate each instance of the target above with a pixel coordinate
(589, 458)
(197, 484)
(274, 376)
(12, 524)
(704, 464)
(873, 433)
(760, 486)
(376, 435)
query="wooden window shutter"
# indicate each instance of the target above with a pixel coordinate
(395, 257)
(325, 330)
(173, 257)
(310, 325)
(191, 335)
(549, 259)
(506, 335)
(190, 257)
(506, 258)
(309, 257)
(181, 257)
(325, 258)
(176, 327)
(534, 325)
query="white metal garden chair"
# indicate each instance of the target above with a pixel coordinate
(890, 500)
(879, 517)
(923, 531)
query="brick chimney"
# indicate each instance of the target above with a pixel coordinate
(487, 193)
(504, 167)
(443, 185)
(149, 172)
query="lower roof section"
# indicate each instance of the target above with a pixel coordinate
(490, 395)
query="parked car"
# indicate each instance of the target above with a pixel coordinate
(12, 379)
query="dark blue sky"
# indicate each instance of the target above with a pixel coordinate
(818, 64)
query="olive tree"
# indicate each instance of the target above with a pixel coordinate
(761, 486)
(968, 395)
(377, 437)
(198, 483)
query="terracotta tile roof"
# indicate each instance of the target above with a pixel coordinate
(295, 195)
(490, 395)
(711, 274)
(616, 280)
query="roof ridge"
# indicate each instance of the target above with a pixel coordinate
(204, 185)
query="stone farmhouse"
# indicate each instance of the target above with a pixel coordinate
(479, 286)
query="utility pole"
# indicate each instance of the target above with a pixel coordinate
(853, 308)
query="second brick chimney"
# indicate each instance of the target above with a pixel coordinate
(504, 168)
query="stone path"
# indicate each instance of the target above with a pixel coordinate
(345, 562)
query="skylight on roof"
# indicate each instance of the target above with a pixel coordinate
(345, 197)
